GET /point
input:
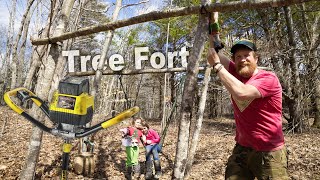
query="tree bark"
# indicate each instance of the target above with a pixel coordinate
(106, 46)
(196, 133)
(188, 98)
(316, 122)
(296, 120)
(202, 104)
(21, 56)
(316, 89)
(28, 172)
(39, 51)
(315, 64)
(15, 46)
(61, 62)
(42, 91)
(6, 63)
(156, 15)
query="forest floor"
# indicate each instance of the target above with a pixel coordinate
(216, 144)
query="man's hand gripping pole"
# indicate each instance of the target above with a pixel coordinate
(214, 30)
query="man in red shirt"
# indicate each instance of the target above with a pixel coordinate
(257, 101)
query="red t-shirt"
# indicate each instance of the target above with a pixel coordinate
(259, 121)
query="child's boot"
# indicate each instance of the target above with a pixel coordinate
(157, 168)
(149, 171)
(136, 170)
(129, 173)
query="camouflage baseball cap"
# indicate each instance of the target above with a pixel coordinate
(243, 42)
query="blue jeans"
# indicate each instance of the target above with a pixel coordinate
(153, 150)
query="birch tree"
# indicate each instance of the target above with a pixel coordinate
(59, 71)
(309, 19)
(188, 98)
(42, 91)
(38, 52)
(295, 101)
(202, 103)
(21, 56)
(107, 42)
(15, 45)
(6, 63)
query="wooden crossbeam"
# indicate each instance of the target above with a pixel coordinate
(142, 71)
(156, 15)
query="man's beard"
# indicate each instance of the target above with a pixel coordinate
(246, 69)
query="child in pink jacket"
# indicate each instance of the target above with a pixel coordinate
(152, 149)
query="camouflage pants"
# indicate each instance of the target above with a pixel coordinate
(246, 164)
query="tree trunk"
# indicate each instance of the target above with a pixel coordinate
(28, 172)
(188, 98)
(61, 62)
(6, 63)
(316, 122)
(106, 46)
(202, 104)
(295, 108)
(138, 90)
(160, 99)
(164, 102)
(314, 63)
(16, 44)
(196, 133)
(173, 91)
(39, 51)
(42, 90)
(21, 56)
(106, 94)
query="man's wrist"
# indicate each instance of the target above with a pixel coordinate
(217, 67)
(215, 64)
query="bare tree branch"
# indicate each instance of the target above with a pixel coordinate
(128, 5)
(92, 10)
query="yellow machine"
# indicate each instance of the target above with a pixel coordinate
(71, 111)
(72, 104)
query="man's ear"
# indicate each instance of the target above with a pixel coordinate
(256, 58)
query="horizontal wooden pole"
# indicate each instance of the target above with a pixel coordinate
(141, 71)
(156, 15)
(132, 72)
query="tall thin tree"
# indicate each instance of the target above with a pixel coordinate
(6, 63)
(16, 44)
(188, 97)
(42, 91)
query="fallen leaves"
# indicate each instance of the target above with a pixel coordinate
(216, 144)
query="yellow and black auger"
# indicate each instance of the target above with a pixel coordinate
(71, 111)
